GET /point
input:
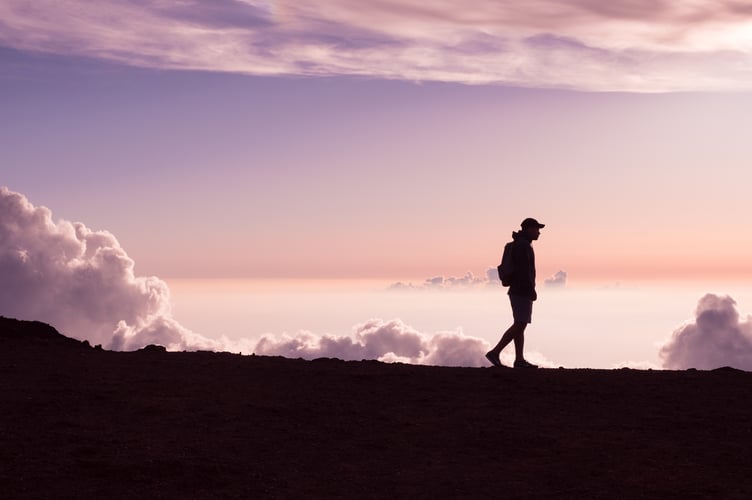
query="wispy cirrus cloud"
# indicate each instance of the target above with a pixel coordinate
(624, 45)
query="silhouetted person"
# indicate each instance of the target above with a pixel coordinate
(521, 293)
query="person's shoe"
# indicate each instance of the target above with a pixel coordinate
(521, 363)
(493, 358)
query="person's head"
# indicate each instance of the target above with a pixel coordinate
(531, 228)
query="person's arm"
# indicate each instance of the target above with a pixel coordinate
(524, 281)
(531, 274)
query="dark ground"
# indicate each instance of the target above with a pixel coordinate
(80, 422)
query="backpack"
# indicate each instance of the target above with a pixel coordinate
(506, 268)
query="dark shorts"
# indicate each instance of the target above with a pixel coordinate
(522, 308)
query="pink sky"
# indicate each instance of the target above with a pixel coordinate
(307, 140)
(584, 44)
(83, 282)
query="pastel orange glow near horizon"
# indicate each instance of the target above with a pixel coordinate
(430, 180)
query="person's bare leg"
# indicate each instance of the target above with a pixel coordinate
(519, 345)
(513, 333)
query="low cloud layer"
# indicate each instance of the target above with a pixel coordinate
(472, 282)
(82, 282)
(451, 283)
(391, 341)
(717, 337)
(558, 280)
(621, 45)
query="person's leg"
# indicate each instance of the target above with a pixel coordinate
(519, 344)
(519, 341)
(521, 312)
(513, 333)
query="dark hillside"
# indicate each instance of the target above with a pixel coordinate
(80, 422)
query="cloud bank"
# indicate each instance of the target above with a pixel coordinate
(716, 338)
(470, 281)
(451, 282)
(390, 341)
(83, 283)
(558, 280)
(621, 45)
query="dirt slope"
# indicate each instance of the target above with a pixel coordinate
(80, 422)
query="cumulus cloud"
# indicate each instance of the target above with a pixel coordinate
(717, 337)
(391, 341)
(558, 280)
(82, 282)
(623, 45)
(468, 281)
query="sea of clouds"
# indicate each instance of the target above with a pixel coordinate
(82, 282)
(489, 279)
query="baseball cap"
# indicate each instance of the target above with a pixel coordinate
(530, 222)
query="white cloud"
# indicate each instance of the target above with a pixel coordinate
(82, 282)
(468, 281)
(558, 280)
(391, 341)
(586, 44)
(388, 341)
(716, 338)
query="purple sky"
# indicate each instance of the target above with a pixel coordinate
(584, 44)
(276, 139)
